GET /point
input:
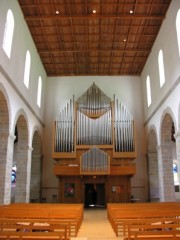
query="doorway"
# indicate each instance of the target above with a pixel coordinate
(94, 195)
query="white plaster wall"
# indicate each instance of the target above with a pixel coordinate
(167, 98)
(126, 89)
(14, 67)
(15, 107)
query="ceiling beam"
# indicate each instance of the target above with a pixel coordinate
(94, 16)
(60, 5)
(93, 50)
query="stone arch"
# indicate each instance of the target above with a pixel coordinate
(166, 125)
(21, 157)
(5, 161)
(4, 92)
(19, 113)
(166, 156)
(36, 167)
(153, 165)
(152, 139)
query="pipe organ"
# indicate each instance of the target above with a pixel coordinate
(64, 125)
(94, 161)
(94, 136)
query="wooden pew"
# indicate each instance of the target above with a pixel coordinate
(149, 229)
(71, 214)
(31, 235)
(117, 213)
(20, 230)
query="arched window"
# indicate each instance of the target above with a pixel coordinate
(27, 69)
(8, 33)
(148, 89)
(175, 173)
(161, 68)
(39, 91)
(178, 29)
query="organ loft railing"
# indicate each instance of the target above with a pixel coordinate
(92, 125)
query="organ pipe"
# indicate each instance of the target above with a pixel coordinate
(98, 122)
(95, 161)
(123, 128)
(64, 129)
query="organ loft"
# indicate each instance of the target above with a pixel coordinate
(94, 150)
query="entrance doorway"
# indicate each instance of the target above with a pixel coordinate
(94, 195)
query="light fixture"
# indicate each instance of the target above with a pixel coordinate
(94, 10)
(57, 12)
(131, 11)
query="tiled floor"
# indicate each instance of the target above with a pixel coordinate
(96, 226)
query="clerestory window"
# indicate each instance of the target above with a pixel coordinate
(148, 89)
(161, 68)
(27, 69)
(8, 33)
(39, 91)
(178, 29)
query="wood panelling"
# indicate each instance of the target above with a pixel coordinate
(66, 170)
(117, 188)
(123, 170)
(116, 39)
(60, 170)
(77, 197)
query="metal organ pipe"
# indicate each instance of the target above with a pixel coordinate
(94, 160)
(94, 131)
(94, 123)
(64, 129)
(124, 137)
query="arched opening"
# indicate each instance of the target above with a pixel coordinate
(8, 33)
(178, 29)
(39, 92)
(4, 131)
(153, 167)
(35, 184)
(20, 159)
(168, 155)
(27, 69)
(161, 68)
(148, 89)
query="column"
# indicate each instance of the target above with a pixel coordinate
(166, 178)
(9, 161)
(28, 181)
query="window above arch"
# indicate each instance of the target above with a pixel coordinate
(39, 91)
(161, 68)
(148, 89)
(178, 29)
(27, 69)
(8, 33)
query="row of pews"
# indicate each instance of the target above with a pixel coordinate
(134, 221)
(40, 221)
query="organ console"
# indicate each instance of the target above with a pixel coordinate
(94, 136)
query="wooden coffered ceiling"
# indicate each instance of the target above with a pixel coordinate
(94, 37)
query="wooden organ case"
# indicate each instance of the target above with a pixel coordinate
(94, 149)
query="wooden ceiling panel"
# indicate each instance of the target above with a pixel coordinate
(116, 39)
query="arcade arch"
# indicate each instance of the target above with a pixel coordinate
(20, 159)
(5, 162)
(167, 152)
(36, 165)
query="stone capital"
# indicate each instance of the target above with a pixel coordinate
(177, 135)
(12, 136)
(30, 148)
